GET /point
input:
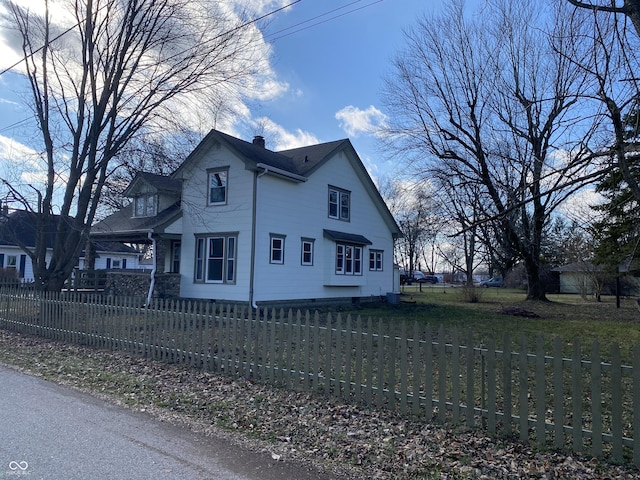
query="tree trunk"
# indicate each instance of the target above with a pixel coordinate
(536, 289)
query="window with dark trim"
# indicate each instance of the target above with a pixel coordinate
(215, 258)
(307, 251)
(218, 186)
(339, 204)
(145, 205)
(375, 260)
(348, 259)
(276, 248)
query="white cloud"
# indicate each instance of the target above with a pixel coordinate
(278, 138)
(14, 152)
(355, 121)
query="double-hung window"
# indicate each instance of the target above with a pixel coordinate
(218, 186)
(307, 251)
(375, 260)
(216, 259)
(339, 204)
(348, 259)
(277, 248)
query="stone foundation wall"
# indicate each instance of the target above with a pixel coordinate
(136, 284)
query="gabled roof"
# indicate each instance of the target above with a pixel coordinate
(122, 222)
(162, 183)
(21, 225)
(297, 164)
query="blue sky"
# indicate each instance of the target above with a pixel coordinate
(329, 57)
(335, 69)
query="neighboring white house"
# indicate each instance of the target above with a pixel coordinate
(19, 226)
(239, 222)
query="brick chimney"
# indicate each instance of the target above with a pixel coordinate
(259, 141)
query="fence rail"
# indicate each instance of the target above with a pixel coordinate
(578, 403)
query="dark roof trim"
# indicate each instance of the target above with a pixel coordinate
(347, 237)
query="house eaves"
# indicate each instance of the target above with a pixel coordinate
(268, 169)
(121, 224)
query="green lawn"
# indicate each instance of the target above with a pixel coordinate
(498, 312)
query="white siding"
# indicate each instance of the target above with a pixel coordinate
(234, 217)
(301, 210)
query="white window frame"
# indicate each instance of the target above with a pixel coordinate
(176, 249)
(205, 260)
(375, 260)
(12, 261)
(221, 175)
(340, 201)
(306, 252)
(348, 259)
(276, 248)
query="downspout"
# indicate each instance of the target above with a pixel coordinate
(154, 253)
(255, 235)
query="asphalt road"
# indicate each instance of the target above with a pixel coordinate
(51, 432)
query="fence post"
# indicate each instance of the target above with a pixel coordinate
(558, 394)
(347, 359)
(506, 381)
(471, 394)
(596, 401)
(577, 396)
(616, 403)
(491, 385)
(455, 376)
(428, 373)
(541, 421)
(523, 390)
(404, 359)
(327, 359)
(359, 355)
(442, 376)
(416, 361)
(337, 389)
(368, 393)
(380, 365)
(392, 367)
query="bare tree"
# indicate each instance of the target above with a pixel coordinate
(613, 65)
(629, 9)
(413, 208)
(489, 103)
(122, 68)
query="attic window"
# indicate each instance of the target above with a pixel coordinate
(339, 203)
(145, 206)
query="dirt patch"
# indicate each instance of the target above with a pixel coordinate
(515, 311)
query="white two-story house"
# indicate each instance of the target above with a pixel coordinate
(241, 223)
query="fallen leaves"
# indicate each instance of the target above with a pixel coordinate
(351, 440)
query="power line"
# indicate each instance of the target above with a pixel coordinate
(270, 36)
(239, 27)
(13, 125)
